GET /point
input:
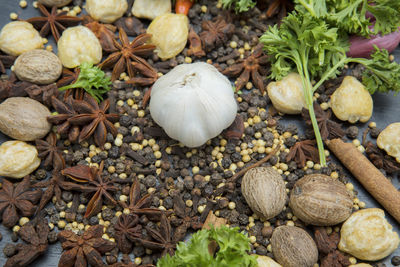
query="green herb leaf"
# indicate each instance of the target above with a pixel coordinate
(93, 80)
(239, 5)
(232, 247)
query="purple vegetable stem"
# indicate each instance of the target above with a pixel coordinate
(363, 47)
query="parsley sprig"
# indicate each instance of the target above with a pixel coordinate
(93, 80)
(239, 5)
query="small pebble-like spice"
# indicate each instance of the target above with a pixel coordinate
(395, 260)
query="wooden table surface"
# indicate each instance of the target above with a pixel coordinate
(386, 111)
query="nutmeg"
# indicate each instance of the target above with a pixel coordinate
(318, 199)
(293, 247)
(264, 191)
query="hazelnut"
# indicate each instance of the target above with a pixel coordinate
(264, 191)
(18, 37)
(38, 66)
(77, 45)
(57, 3)
(287, 95)
(17, 159)
(150, 9)
(367, 235)
(265, 261)
(106, 11)
(169, 33)
(351, 101)
(318, 199)
(389, 140)
(23, 118)
(293, 247)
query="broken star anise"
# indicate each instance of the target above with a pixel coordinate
(195, 48)
(253, 66)
(34, 233)
(17, 199)
(94, 182)
(128, 52)
(140, 205)
(68, 77)
(328, 250)
(50, 152)
(380, 159)
(126, 230)
(329, 129)
(162, 238)
(303, 151)
(216, 33)
(6, 61)
(279, 6)
(65, 112)
(84, 250)
(42, 93)
(103, 32)
(53, 21)
(94, 119)
(12, 87)
(185, 218)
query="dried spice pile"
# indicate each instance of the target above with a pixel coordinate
(114, 189)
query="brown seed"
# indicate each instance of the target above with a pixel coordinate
(293, 247)
(318, 199)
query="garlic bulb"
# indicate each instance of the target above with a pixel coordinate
(193, 103)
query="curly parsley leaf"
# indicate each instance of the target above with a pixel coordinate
(93, 80)
(232, 250)
(239, 5)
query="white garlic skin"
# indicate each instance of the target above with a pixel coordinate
(18, 37)
(77, 45)
(106, 11)
(287, 95)
(389, 140)
(193, 103)
(265, 261)
(150, 9)
(351, 101)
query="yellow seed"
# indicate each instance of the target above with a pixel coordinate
(247, 46)
(123, 198)
(195, 169)
(61, 224)
(246, 158)
(352, 260)
(204, 9)
(23, 221)
(35, 4)
(188, 60)
(141, 113)
(77, 9)
(118, 142)
(361, 149)
(310, 164)
(334, 175)
(290, 223)
(233, 44)
(49, 48)
(241, 51)
(111, 169)
(189, 203)
(138, 260)
(356, 142)
(232, 205)
(257, 135)
(200, 209)
(350, 186)
(23, 4)
(71, 13)
(253, 239)
(126, 211)
(13, 16)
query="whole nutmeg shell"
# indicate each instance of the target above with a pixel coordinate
(264, 191)
(318, 199)
(293, 247)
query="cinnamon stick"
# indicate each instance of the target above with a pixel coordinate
(368, 175)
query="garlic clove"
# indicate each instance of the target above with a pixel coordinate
(193, 103)
(106, 11)
(351, 101)
(389, 140)
(150, 9)
(265, 261)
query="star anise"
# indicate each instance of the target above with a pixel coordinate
(380, 159)
(216, 33)
(68, 77)
(94, 183)
(303, 151)
(329, 129)
(279, 6)
(6, 61)
(140, 205)
(94, 119)
(43, 93)
(12, 87)
(17, 199)
(185, 218)
(235, 130)
(127, 230)
(103, 32)
(53, 21)
(251, 65)
(128, 52)
(327, 248)
(195, 48)
(84, 250)
(131, 25)
(50, 152)
(162, 238)
(34, 233)
(65, 112)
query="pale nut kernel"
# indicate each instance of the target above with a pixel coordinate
(17, 159)
(361, 265)
(367, 235)
(265, 261)
(351, 101)
(57, 3)
(38, 66)
(106, 11)
(169, 34)
(150, 9)
(287, 95)
(18, 37)
(389, 140)
(77, 45)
